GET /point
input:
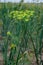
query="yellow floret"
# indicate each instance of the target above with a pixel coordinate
(8, 33)
(12, 46)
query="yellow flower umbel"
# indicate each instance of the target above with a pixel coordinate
(12, 46)
(8, 33)
(22, 15)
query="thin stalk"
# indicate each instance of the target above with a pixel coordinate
(18, 57)
(35, 50)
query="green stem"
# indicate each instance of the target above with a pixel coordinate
(35, 50)
(18, 57)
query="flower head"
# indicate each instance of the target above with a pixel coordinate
(12, 46)
(22, 15)
(8, 33)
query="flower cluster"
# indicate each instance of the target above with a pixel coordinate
(12, 45)
(8, 33)
(22, 15)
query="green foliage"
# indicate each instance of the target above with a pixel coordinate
(23, 30)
